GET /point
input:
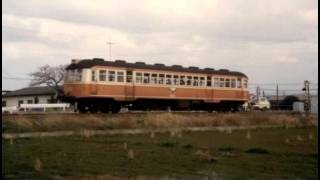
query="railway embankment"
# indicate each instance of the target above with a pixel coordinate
(37, 125)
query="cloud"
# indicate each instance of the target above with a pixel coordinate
(259, 38)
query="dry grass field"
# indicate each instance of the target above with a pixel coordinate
(289, 151)
(59, 122)
(272, 153)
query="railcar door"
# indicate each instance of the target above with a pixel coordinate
(129, 88)
(210, 89)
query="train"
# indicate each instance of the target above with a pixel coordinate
(96, 85)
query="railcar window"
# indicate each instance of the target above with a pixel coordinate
(176, 80)
(228, 82)
(195, 81)
(93, 75)
(216, 82)
(72, 75)
(233, 83)
(189, 80)
(138, 77)
(79, 75)
(111, 76)
(161, 78)
(120, 76)
(202, 81)
(182, 80)
(221, 82)
(168, 79)
(154, 78)
(208, 81)
(239, 83)
(102, 75)
(67, 76)
(146, 78)
(129, 76)
(245, 83)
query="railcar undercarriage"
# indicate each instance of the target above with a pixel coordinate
(106, 105)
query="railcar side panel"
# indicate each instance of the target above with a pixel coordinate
(120, 92)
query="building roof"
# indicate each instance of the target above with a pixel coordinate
(31, 91)
(5, 92)
(301, 97)
(88, 63)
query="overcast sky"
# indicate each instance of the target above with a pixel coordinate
(269, 40)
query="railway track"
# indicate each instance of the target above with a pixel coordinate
(140, 112)
(77, 113)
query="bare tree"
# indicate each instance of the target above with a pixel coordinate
(52, 76)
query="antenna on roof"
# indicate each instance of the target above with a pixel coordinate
(110, 43)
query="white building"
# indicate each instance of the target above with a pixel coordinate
(29, 95)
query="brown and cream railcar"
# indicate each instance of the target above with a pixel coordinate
(98, 85)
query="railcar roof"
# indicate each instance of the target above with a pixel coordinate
(88, 63)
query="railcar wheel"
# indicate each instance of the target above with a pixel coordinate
(82, 108)
(115, 108)
(93, 109)
(105, 109)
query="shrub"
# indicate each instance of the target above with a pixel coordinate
(168, 144)
(187, 146)
(227, 149)
(258, 151)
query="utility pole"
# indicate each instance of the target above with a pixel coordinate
(307, 90)
(277, 97)
(110, 43)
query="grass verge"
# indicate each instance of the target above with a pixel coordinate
(195, 155)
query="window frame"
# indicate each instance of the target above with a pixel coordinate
(239, 82)
(129, 76)
(121, 76)
(78, 75)
(110, 76)
(227, 83)
(138, 77)
(245, 83)
(168, 79)
(146, 78)
(189, 81)
(161, 79)
(195, 81)
(222, 83)
(176, 80)
(233, 83)
(182, 81)
(209, 81)
(154, 78)
(105, 75)
(202, 81)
